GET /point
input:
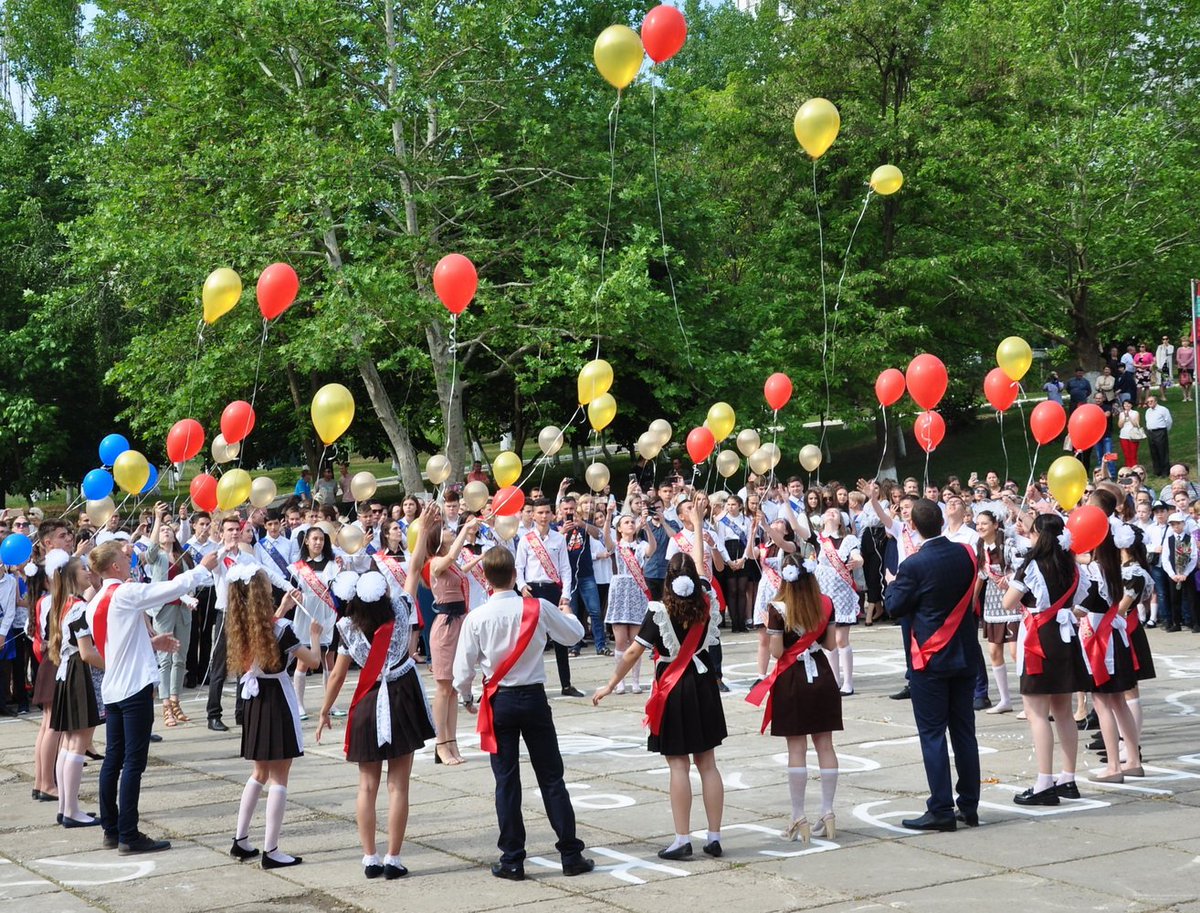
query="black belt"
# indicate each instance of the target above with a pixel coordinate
(450, 609)
(538, 687)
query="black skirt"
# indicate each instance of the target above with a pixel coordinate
(1123, 677)
(74, 706)
(43, 685)
(268, 729)
(693, 719)
(411, 723)
(1063, 671)
(1141, 649)
(803, 707)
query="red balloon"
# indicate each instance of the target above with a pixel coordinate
(508, 501)
(455, 281)
(237, 421)
(1000, 390)
(1046, 421)
(777, 390)
(1088, 525)
(929, 430)
(889, 387)
(184, 440)
(1087, 425)
(927, 380)
(276, 289)
(700, 444)
(664, 30)
(204, 492)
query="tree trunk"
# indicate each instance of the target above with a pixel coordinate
(311, 455)
(449, 391)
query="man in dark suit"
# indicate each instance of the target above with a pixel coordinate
(938, 626)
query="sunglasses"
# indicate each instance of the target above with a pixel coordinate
(21, 524)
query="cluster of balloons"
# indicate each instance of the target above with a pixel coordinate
(818, 123)
(455, 282)
(277, 288)
(1014, 358)
(651, 442)
(131, 471)
(619, 50)
(926, 381)
(594, 381)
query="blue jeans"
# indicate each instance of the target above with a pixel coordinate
(1103, 446)
(586, 592)
(1161, 582)
(127, 743)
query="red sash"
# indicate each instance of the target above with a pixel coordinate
(309, 576)
(629, 558)
(836, 562)
(1096, 642)
(480, 578)
(762, 691)
(531, 611)
(1035, 656)
(923, 653)
(663, 686)
(773, 576)
(913, 546)
(371, 671)
(685, 546)
(100, 620)
(543, 557)
(393, 567)
(37, 628)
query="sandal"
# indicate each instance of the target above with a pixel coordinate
(798, 830)
(178, 711)
(437, 755)
(168, 715)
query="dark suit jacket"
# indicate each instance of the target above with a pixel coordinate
(927, 587)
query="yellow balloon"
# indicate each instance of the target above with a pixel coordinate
(748, 441)
(550, 440)
(728, 462)
(601, 411)
(648, 446)
(618, 54)
(662, 430)
(131, 472)
(437, 469)
(886, 180)
(475, 495)
(810, 457)
(1014, 357)
(262, 491)
(506, 468)
(233, 489)
(1067, 480)
(817, 124)
(721, 420)
(222, 289)
(760, 461)
(506, 527)
(350, 539)
(225, 453)
(595, 379)
(332, 412)
(329, 529)
(414, 531)
(99, 511)
(363, 485)
(596, 476)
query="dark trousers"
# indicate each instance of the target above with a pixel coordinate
(1158, 451)
(126, 744)
(217, 673)
(552, 592)
(200, 647)
(525, 712)
(1180, 598)
(24, 651)
(1161, 583)
(981, 673)
(941, 703)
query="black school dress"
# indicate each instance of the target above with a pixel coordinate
(1097, 601)
(693, 719)
(270, 710)
(44, 683)
(1064, 671)
(805, 699)
(1137, 586)
(74, 706)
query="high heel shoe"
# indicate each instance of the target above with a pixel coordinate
(437, 755)
(826, 827)
(178, 711)
(240, 853)
(800, 830)
(168, 715)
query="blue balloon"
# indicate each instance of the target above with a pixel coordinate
(97, 484)
(151, 481)
(15, 549)
(112, 447)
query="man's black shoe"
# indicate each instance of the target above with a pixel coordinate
(216, 725)
(155, 737)
(143, 844)
(508, 872)
(579, 866)
(110, 841)
(903, 694)
(929, 822)
(969, 819)
(1068, 790)
(569, 691)
(1045, 797)
(982, 703)
(1097, 743)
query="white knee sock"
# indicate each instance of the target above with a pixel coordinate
(835, 663)
(58, 779)
(1000, 673)
(250, 796)
(617, 662)
(797, 784)
(636, 672)
(846, 655)
(299, 680)
(276, 803)
(68, 786)
(829, 781)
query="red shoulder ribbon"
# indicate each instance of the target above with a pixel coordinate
(531, 611)
(923, 653)
(100, 620)
(663, 686)
(371, 671)
(1035, 656)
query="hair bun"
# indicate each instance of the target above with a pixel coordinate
(683, 586)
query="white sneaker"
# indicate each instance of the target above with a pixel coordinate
(636, 689)
(620, 689)
(337, 711)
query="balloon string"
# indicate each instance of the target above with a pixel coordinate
(1031, 471)
(614, 116)
(927, 452)
(74, 504)
(662, 231)
(195, 362)
(837, 300)
(774, 438)
(544, 458)
(1003, 444)
(883, 453)
(824, 302)
(1024, 425)
(254, 390)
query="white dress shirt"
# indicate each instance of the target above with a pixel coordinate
(489, 633)
(529, 565)
(221, 582)
(287, 549)
(964, 535)
(130, 663)
(8, 603)
(1158, 417)
(713, 543)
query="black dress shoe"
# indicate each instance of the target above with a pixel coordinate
(567, 692)
(269, 862)
(216, 725)
(982, 703)
(143, 844)
(680, 852)
(392, 872)
(44, 797)
(903, 694)
(713, 848)
(930, 822)
(155, 737)
(970, 819)
(1045, 797)
(372, 871)
(72, 822)
(1068, 790)
(1096, 744)
(110, 841)
(722, 687)
(580, 866)
(508, 872)
(241, 854)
